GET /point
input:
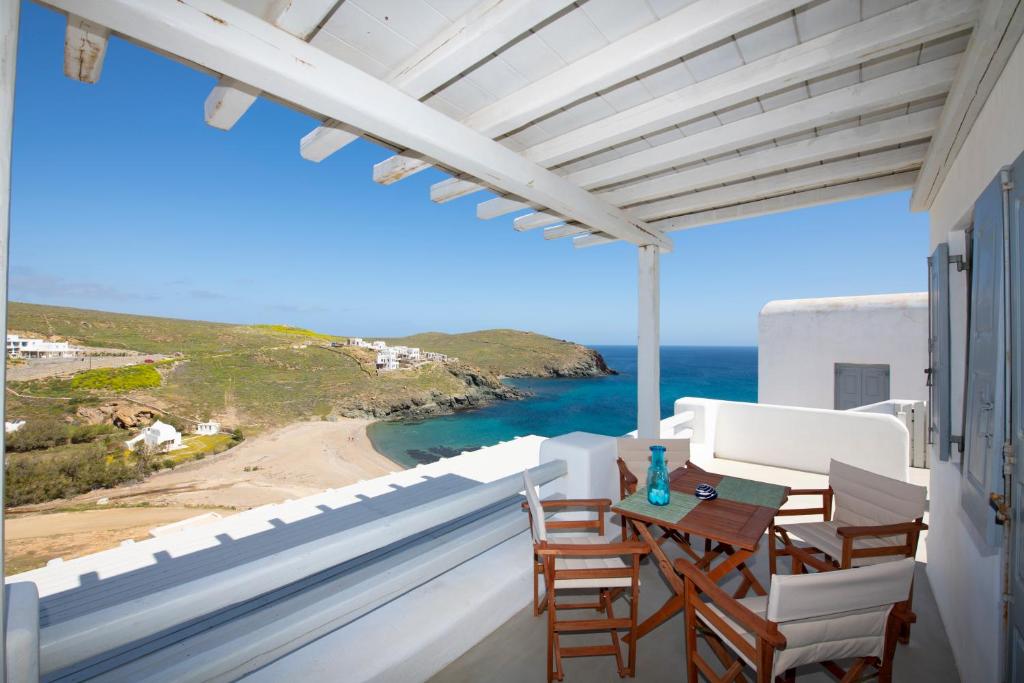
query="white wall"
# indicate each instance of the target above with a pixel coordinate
(802, 439)
(964, 574)
(800, 341)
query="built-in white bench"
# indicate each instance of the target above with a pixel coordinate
(789, 445)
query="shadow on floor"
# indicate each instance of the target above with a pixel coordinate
(516, 652)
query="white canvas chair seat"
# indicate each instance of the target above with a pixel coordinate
(823, 617)
(824, 537)
(613, 562)
(854, 498)
(588, 559)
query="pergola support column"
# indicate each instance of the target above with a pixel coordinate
(648, 361)
(9, 11)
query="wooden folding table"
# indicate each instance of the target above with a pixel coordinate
(734, 522)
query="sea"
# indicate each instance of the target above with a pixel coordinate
(601, 405)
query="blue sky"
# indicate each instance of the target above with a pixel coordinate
(125, 200)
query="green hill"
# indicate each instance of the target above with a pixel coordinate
(511, 353)
(266, 375)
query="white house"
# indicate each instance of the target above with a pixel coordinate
(433, 355)
(379, 345)
(413, 353)
(207, 428)
(387, 361)
(158, 436)
(355, 341)
(843, 352)
(27, 347)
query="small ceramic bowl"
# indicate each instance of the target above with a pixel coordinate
(705, 492)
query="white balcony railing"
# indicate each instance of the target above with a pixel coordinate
(66, 645)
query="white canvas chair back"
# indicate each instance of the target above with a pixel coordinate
(863, 498)
(835, 615)
(537, 527)
(636, 453)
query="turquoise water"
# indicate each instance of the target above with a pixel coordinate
(602, 405)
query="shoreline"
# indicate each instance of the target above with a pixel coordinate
(294, 461)
(298, 459)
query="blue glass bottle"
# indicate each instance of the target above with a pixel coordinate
(657, 477)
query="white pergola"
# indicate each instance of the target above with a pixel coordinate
(605, 120)
(595, 120)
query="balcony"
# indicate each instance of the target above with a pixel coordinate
(517, 648)
(422, 572)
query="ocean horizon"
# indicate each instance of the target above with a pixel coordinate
(601, 405)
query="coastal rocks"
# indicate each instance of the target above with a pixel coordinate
(123, 415)
(583, 362)
(588, 363)
(480, 389)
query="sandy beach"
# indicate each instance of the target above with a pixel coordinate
(295, 461)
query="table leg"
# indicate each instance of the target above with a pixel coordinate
(735, 560)
(676, 602)
(749, 580)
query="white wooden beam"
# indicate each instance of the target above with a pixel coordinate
(696, 26)
(85, 46)
(452, 188)
(843, 143)
(648, 344)
(901, 87)
(999, 30)
(499, 206)
(897, 130)
(567, 230)
(538, 219)
(483, 30)
(882, 34)
(230, 99)
(879, 163)
(781, 204)
(217, 36)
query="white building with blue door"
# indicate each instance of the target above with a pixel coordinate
(843, 352)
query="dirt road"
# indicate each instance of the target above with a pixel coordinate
(40, 368)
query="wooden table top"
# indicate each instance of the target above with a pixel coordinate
(740, 525)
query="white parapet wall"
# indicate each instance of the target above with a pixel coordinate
(800, 342)
(798, 439)
(400, 612)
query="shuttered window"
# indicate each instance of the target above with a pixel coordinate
(983, 438)
(939, 428)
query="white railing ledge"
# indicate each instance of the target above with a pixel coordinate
(22, 641)
(67, 643)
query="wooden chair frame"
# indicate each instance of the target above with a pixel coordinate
(802, 558)
(546, 554)
(600, 505)
(767, 636)
(628, 483)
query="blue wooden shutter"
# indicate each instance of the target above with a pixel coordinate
(1016, 551)
(983, 438)
(939, 429)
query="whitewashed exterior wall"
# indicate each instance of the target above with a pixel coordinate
(966, 576)
(800, 341)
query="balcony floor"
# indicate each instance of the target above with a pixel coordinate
(516, 651)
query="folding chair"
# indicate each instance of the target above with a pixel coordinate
(805, 619)
(867, 519)
(583, 562)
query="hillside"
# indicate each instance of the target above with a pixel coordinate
(258, 376)
(511, 353)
